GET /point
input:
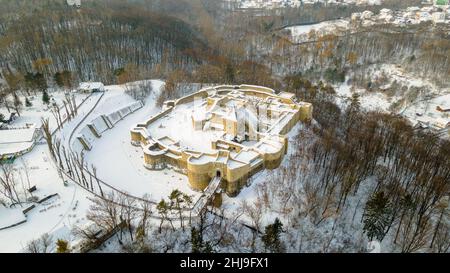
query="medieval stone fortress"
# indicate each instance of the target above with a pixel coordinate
(220, 136)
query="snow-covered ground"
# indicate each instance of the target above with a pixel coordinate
(11, 217)
(119, 163)
(66, 209)
(303, 33)
(425, 111)
(373, 101)
(400, 93)
(38, 110)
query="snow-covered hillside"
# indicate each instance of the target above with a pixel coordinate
(68, 203)
(398, 92)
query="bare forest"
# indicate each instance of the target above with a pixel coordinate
(353, 176)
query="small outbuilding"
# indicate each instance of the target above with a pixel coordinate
(91, 87)
(15, 142)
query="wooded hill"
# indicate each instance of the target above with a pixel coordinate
(93, 42)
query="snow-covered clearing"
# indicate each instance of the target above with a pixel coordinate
(369, 101)
(425, 111)
(400, 93)
(39, 110)
(11, 217)
(304, 33)
(119, 163)
(117, 160)
(70, 205)
(66, 209)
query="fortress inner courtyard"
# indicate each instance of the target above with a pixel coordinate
(220, 136)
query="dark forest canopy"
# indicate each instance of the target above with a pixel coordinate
(206, 39)
(95, 40)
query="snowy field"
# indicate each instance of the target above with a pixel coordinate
(304, 33)
(370, 101)
(424, 95)
(38, 110)
(61, 212)
(119, 163)
(66, 209)
(425, 111)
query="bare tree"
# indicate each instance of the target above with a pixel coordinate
(56, 112)
(128, 213)
(254, 212)
(8, 183)
(27, 173)
(144, 217)
(414, 236)
(40, 245)
(48, 135)
(105, 212)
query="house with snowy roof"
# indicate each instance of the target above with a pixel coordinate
(17, 141)
(91, 87)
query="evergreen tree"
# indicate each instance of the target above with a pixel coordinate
(163, 209)
(229, 73)
(176, 199)
(29, 81)
(271, 237)
(28, 103)
(196, 240)
(207, 248)
(35, 81)
(352, 111)
(2, 117)
(63, 79)
(41, 82)
(198, 246)
(45, 97)
(62, 246)
(376, 217)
